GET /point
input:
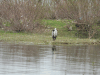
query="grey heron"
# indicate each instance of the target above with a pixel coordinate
(54, 34)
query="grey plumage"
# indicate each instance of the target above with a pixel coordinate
(54, 34)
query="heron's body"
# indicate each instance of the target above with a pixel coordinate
(54, 34)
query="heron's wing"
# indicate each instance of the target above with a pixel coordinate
(55, 32)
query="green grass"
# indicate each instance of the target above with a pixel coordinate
(42, 39)
(54, 23)
(61, 26)
(64, 36)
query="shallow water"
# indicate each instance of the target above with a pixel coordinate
(49, 60)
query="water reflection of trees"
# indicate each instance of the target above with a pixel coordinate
(78, 57)
(21, 53)
(84, 55)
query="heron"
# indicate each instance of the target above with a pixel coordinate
(54, 34)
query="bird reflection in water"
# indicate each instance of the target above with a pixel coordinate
(53, 52)
(53, 48)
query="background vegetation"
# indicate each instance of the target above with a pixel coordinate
(73, 18)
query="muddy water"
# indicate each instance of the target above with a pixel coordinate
(49, 60)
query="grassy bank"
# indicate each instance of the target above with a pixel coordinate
(30, 38)
(64, 36)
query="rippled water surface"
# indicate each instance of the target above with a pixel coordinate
(49, 59)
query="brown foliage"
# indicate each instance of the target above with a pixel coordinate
(82, 11)
(22, 16)
(26, 15)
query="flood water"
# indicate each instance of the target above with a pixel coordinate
(49, 59)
